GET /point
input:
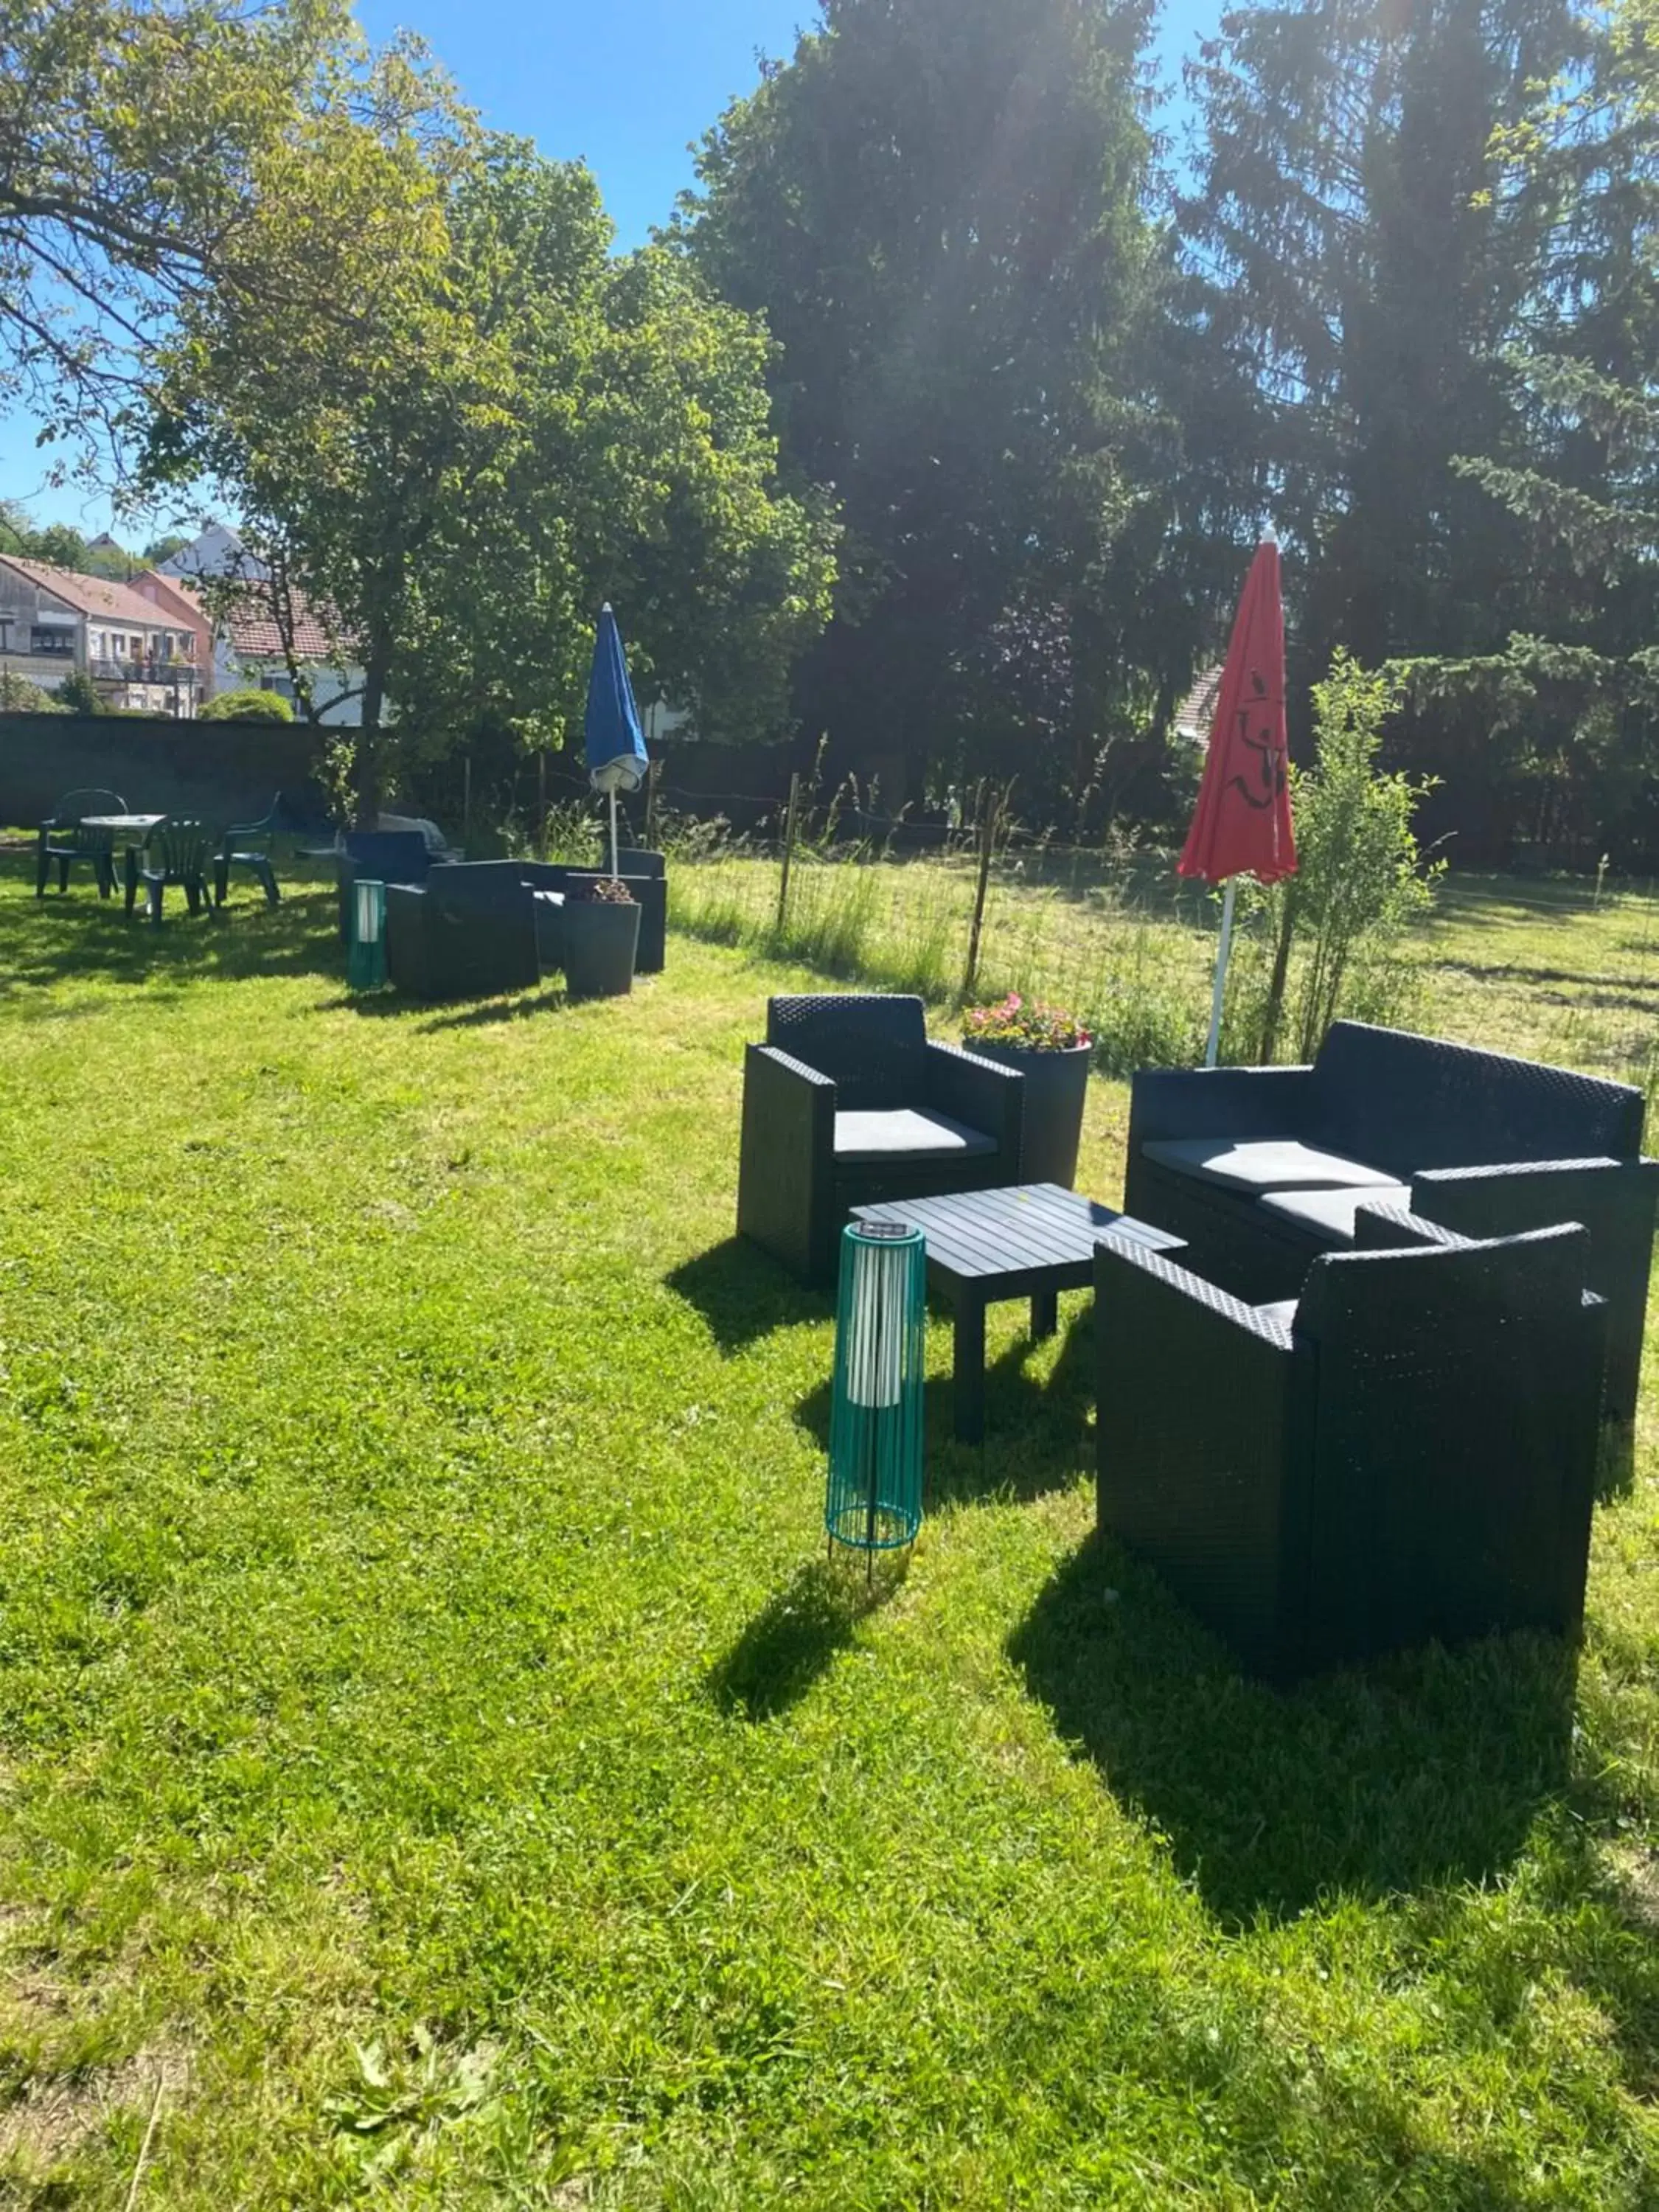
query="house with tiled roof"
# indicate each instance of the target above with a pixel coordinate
(1195, 716)
(138, 653)
(266, 631)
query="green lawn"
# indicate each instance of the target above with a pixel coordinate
(434, 1757)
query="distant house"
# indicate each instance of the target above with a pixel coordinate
(265, 630)
(137, 654)
(214, 552)
(181, 604)
(1194, 717)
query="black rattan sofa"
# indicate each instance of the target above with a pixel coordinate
(1409, 1452)
(1262, 1170)
(474, 927)
(848, 1103)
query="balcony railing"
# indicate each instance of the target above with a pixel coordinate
(144, 672)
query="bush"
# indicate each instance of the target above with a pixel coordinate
(250, 706)
(19, 696)
(1330, 945)
(78, 694)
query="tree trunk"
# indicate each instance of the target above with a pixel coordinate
(368, 766)
(1276, 987)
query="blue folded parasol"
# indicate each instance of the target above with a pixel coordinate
(616, 758)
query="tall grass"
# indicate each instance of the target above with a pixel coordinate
(1550, 973)
(1137, 979)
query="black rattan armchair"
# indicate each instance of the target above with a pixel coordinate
(1409, 1453)
(847, 1103)
(1262, 1169)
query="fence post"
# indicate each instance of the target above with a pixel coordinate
(789, 852)
(541, 803)
(989, 810)
(651, 775)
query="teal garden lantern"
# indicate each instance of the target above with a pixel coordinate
(365, 964)
(873, 1502)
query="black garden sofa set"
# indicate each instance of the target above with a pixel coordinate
(468, 928)
(1364, 1406)
(1260, 1171)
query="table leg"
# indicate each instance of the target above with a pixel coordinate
(967, 1375)
(1045, 1314)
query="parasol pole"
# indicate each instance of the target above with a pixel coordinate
(613, 829)
(1220, 991)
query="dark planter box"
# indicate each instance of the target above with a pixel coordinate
(600, 942)
(1056, 1085)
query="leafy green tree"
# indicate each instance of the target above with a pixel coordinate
(145, 146)
(515, 428)
(936, 205)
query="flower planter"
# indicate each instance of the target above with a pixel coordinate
(1056, 1085)
(600, 943)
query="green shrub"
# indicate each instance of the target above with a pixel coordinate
(19, 696)
(1328, 940)
(249, 706)
(78, 694)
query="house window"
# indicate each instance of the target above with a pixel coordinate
(52, 641)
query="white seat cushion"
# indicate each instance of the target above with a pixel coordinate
(907, 1134)
(1262, 1164)
(1329, 1213)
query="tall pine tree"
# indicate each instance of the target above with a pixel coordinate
(1580, 674)
(1347, 224)
(937, 206)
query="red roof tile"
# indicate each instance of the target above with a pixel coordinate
(255, 633)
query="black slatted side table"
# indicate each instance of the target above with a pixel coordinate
(1028, 1240)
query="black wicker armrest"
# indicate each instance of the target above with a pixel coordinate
(786, 1163)
(980, 1092)
(1617, 1201)
(1514, 1181)
(1382, 1227)
(1190, 1304)
(1167, 1103)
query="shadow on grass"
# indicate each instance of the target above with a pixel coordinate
(798, 1632)
(79, 935)
(742, 1293)
(1037, 1433)
(1431, 1767)
(520, 1007)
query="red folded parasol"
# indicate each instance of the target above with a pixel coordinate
(1242, 824)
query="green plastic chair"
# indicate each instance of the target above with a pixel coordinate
(63, 840)
(247, 845)
(173, 853)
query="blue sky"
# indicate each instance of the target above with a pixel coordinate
(628, 85)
